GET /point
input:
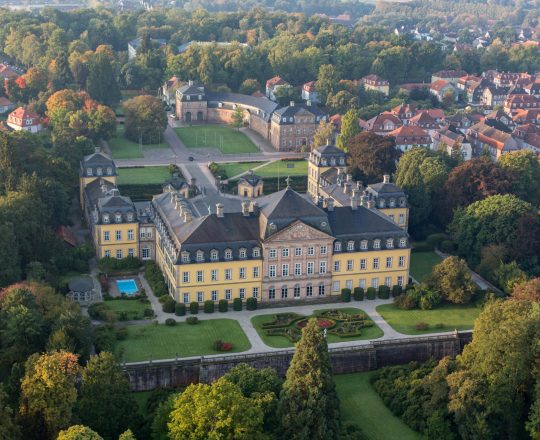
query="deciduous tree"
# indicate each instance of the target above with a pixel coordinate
(349, 128)
(78, 432)
(452, 279)
(145, 119)
(371, 156)
(323, 134)
(101, 83)
(527, 291)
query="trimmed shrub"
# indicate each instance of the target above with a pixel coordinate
(435, 240)
(220, 345)
(194, 307)
(209, 307)
(121, 333)
(169, 306)
(371, 293)
(170, 322)
(192, 320)
(396, 290)
(180, 309)
(447, 246)
(358, 294)
(223, 305)
(384, 292)
(251, 304)
(148, 313)
(421, 326)
(346, 295)
(237, 305)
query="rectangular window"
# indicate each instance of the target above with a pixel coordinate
(200, 276)
(255, 272)
(311, 251)
(362, 283)
(310, 267)
(348, 284)
(214, 295)
(149, 233)
(323, 250)
(119, 254)
(185, 277)
(200, 297)
(108, 254)
(298, 269)
(391, 217)
(284, 292)
(336, 266)
(350, 246)
(186, 298)
(400, 280)
(363, 264)
(298, 252)
(297, 292)
(285, 252)
(106, 236)
(284, 270)
(272, 253)
(321, 290)
(131, 252)
(145, 253)
(271, 293)
(228, 274)
(118, 235)
(242, 273)
(388, 262)
(335, 286)
(388, 281)
(309, 291)
(375, 263)
(228, 294)
(255, 292)
(401, 262)
(242, 293)
(401, 220)
(272, 271)
(350, 264)
(142, 233)
(214, 275)
(322, 267)
(130, 234)
(375, 283)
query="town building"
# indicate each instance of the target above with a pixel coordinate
(451, 76)
(496, 142)
(168, 90)
(494, 96)
(443, 88)
(23, 119)
(273, 85)
(451, 138)
(521, 102)
(309, 92)
(381, 124)
(409, 136)
(377, 84)
(250, 185)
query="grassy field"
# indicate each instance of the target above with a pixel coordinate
(280, 168)
(422, 263)
(360, 404)
(123, 148)
(445, 318)
(226, 139)
(282, 342)
(142, 175)
(164, 342)
(134, 309)
(234, 168)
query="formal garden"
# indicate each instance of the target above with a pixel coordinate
(220, 137)
(283, 330)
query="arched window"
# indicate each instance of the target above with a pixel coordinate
(214, 256)
(228, 254)
(200, 256)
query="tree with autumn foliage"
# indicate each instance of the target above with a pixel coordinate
(146, 119)
(527, 291)
(324, 134)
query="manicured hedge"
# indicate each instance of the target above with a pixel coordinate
(209, 307)
(346, 295)
(154, 276)
(141, 191)
(223, 305)
(358, 294)
(237, 304)
(194, 307)
(251, 304)
(169, 306)
(180, 309)
(396, 290)
(371, 293)
(384, 292)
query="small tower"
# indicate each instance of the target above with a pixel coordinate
(96, 166)
(250, 185)
(324, 166)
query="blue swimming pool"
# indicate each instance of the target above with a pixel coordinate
(129, 287)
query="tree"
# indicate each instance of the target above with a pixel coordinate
(524, 166)
(493, 220)
(452, 279)
(527, 291)
(8, 428)
(79, 432)
(249, 86)
(327, 82)
(238, 118)
(146, 119)
(342, 101)
(309, 406)
(371, 156)
(127, 435)
(48, 390)
(216, 411)
(105, 402)
(349, 128)
(508, 275)
(101, 83)
(62, 76)
(323, 134)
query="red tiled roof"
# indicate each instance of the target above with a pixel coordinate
(422, 118)
(67, 235)
(410, 134)
(435, 113)
(24, 115)
(439, 85)
(276, 81)
(374, 78)
(309, 86)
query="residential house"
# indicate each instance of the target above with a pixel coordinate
(168, 90)
(309, 92)
(425, 121)
(8, 72)
(442, 88)
(409, 136)
(23, 119)
(493, 96)
(273, 84)
(526, 116)
(5, 105)
(451, 76)
(533, 88)
(520, 102)
(404, 112)
(528, 137)
(484, 137)
(377, 84)
(450, 138)
(381, 124)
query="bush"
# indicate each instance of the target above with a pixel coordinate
(429, 299)
(384, 292)
(108, 264)
(405, 302)
(371, 293)
(194, 307)
(209, 307)
(170, 322)
(346, 295)
(180, 309)
(358, 294)
(149, 313)
(220, 345)
(435, 240)
(169, 305)
(421, 326)
(154, 276)
(447, 246)
(104, 338)
(251, 304)
(223, 305)
(121, 333)
(192, 320)
(237, 305)
(396, 290)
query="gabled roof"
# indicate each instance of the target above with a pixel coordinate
(422, 118)
(409, 131)
(24, 115)
(362, 221)
(276, 81)
(291, 110)
(440, 84)
(232, 227)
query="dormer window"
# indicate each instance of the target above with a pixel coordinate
(130, 216)
(323, 161)
(350, 245)
(402, 202)
(363, 244)
(389, 243)
(200, 97)
(402, 242)
(118, 218)
(200, 256)
(228, 254)
(89, 172)
(106, 218)
(291, 119)
(341, 161)
(243, 253)
(185, 257)
(337, 246)
(214, 256)
(284, 119)
(392, 203)
(332, 161)
(377, 244)
(99, 171)
(256, 252)
(109, 171)
(381, 203)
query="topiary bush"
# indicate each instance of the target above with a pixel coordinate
(194, 307)
(209, 307)
(447, 246)
(223, 305)
(148, 313)
(237, 305)
(396, 290)
(435, 240)
(192, 320)
(170, 322)
(384, 292)
(169, 305)
(346, 295)
(371, 293)
(358, 294)
(251, 304)
(180, 309)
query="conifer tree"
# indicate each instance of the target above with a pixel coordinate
(101, 83)
(309, 405)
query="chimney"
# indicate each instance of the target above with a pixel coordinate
(330, 204)
(291, 103)
(245, 208)
(371, 204)
(354, 202)
(253, 206)
(355, 192)
(187, 216)
(219, 210)
(97, 149)
(190, 82)
(386, 178)
(346, 188)
(349, 177)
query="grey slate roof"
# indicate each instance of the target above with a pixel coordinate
(262, 103)
(81, 284)
(329, 151)
(385, 188)
(362, 221)
(97, 189)
(97, 160)
(292, 110)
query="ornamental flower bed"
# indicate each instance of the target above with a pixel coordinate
(321, 322)
(220, 345)
(282, 320)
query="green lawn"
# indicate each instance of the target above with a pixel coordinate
(126, 94)
(422, 263)
(133, 308)
(451, 316)
(164, 342)
(282, 168)
(360, 404)
(142, 175)
(226, 139)
(123, 148)
(282, 342)
(234, 168)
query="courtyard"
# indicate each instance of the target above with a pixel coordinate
(225, 139)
